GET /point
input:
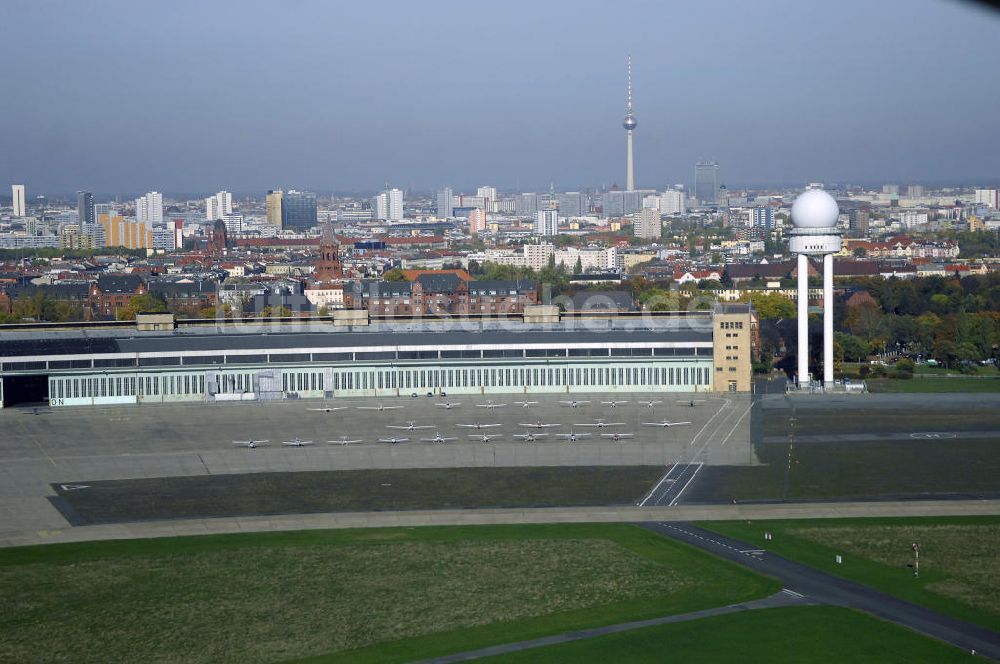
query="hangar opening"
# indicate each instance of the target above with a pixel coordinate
(25, 390)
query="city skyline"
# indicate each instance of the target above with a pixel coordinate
(774, 98)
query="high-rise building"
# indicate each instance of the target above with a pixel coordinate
(389, 205)
(489, 196)
(617, 203)
(859, 222)
(706, 182)
(891, 189)
(444, 202)
(218, 206)
(298, 210)
(646, 224)
(234, 224)
(150, 208)
(630, 124)
(17, 193)
(272, 207)
(672, 202)
(990, 197)
(547, 222)
(915, 191)
(477, 221)
(762, 217)
(572, 204)
(85, 208)
(526, 205)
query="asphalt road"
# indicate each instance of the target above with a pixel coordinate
(820, 587)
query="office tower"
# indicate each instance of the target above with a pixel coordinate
(389, 205)
(631, 201)
(572, 204)
(672, 202)
(859, 222)
(706, 182)
(234, 224)
(891, 189)
(103, 208)
(477, 221)
(218, 206)
(444, 203)
(915, 191)
(85, 208)
(646, 224)
(547, 222)
(489, 196)
(299, 210)
(150, 208)
(526, 205)
(629, 123)
(613, 203)
(272, 207)
(18, 200)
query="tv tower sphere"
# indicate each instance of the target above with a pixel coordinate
(629, 122)
(814, 208)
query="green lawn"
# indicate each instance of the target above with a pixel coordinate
(795, 634)
(362, 595)
(112, 501)
(959, 566)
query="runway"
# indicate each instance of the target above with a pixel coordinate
(820, 587)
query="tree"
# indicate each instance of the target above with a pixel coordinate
(864, 319)
(772, 305)
(147, 302)
(578, 268)
(855, 348)
(395, 274)
(860, 252)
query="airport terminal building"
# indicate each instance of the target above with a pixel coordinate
(539, 352)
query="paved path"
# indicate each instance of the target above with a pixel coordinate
(825, 588)
(498, 516)
(782, 598)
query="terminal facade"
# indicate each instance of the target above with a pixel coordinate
(690, 352)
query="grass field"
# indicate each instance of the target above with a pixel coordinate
(368, 595)
(959, 568)
(801, 634)
(840, 420)
(357, 490)
(935, 384)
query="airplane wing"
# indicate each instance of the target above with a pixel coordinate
(617, 435)
(297, 443)
(329, 409)
(614, 424)
(674, 424)
(445, 439)
(655, 424)
(392, 407)
(367, 407)
(397, 426)
(345, 442)
(393, 440)
(541, 435)
(588, 424)
(546, 426)
(422, 426)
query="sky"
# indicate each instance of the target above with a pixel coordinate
(196, 96)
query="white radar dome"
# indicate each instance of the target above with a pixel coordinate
(814, 208)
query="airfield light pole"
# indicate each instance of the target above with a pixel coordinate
(814, 217)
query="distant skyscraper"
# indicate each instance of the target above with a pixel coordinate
(150, 208)
(17, 193)
(762, 217)
(572, 204)
(389, 205)
(915, 190)
(85, 208)
(547, 222)
(489, 196)
(526, 205)
(706, 182)
(218, 206)
(477, 221)
(272, 207)
(234, 224)
(891, 189)
(646, 224)
(444, 202)
(629, 123)
(299, 210)
(672, 202)
(990, 197)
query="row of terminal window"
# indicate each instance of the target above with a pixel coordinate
(731, 325)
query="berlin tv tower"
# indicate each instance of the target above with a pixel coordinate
(629, 123)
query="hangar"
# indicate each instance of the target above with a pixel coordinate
(83, 366)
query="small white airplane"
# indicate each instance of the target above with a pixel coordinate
(410, 426)
(572, 437)
(650, 404)
(538, 425)
(438, 438)
(691, 402)
(328, 409)
(490, 405)
(574, 403)
(344, 440)
(664, 423)
(297, 442)
(379, 407)
(525, 404)
(485, 437)
(600, 424)
(613, 403)
(252, 443)
(616, 436)
(448, 405)
(477, 426)
(393, 440)
(530, 437)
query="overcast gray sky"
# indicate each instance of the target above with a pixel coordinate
(194, 96)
